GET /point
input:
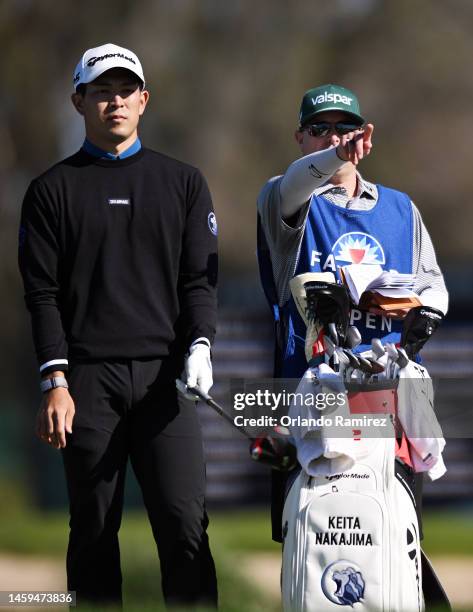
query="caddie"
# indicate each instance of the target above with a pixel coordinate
(322, 214)
(118, 253)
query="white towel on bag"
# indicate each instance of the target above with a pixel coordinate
(320, 449)
(417, 417)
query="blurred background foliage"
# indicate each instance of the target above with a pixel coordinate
(226, 80)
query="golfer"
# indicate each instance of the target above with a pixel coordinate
(118, 253)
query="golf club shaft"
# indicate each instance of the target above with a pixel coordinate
(205, 397)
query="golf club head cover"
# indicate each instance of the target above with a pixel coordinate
(418, 326)
(329, 303)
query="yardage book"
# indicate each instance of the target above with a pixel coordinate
(372, 287)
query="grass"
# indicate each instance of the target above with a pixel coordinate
(40, 534)
(232, 534)
(448, 533)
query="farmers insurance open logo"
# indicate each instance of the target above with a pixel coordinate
(358, 248)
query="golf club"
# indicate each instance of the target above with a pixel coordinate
(393, 355)
(278, 453)
(353, 337)
(402, 359)
(377, 348)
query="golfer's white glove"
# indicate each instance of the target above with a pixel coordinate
(199, 367)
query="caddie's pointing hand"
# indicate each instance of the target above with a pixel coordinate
(354, 146)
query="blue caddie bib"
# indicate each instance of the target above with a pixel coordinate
(335, 237)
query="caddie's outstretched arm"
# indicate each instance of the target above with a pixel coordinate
(311, 171)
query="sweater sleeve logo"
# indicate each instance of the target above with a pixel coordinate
(212, 221)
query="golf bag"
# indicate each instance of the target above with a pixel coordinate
(352, 538)
(327, 508)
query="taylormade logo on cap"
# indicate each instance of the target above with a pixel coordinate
(98, 60)
(94, 60)
(331, 97)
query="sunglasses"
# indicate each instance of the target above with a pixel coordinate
(316, 130)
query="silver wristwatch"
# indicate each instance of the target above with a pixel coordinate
(51, 383)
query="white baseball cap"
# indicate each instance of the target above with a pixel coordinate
(98, 60)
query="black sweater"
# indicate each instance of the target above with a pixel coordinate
(116, 255)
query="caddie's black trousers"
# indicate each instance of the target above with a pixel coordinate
(131, 409)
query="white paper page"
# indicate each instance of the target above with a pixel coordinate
(397, 293)
(393, 279)
(359, 276)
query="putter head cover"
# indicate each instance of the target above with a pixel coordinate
(418, 326)
(329, 303)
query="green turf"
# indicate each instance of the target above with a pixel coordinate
(448, 533)
(232, 534)
(46, 534)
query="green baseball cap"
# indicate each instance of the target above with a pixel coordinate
(326, 98)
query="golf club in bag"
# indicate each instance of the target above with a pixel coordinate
(273, 451)
(329, 304)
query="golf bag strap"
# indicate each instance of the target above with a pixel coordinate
(434, 593)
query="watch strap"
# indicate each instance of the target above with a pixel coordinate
(52, 383)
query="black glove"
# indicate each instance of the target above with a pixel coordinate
(419, 324)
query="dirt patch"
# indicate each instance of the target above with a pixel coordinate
(31, 574)
(263, 570)
(19, 573)
(455, 574)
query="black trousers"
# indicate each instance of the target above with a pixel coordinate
(131, 409)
